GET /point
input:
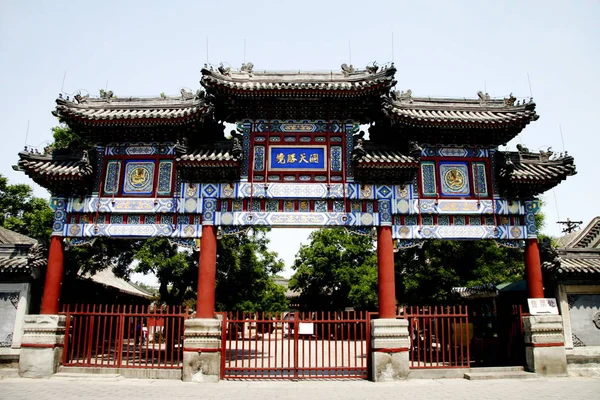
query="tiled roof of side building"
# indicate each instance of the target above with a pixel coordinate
(11, 237)
(38, 165)
(534, 173)
(577, 254)
(127, 111)
(19, 253)
(582, 264)
(482, 113)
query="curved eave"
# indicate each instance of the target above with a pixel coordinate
(254, 87)
(104, 113)
(469, 115)
(38, 168)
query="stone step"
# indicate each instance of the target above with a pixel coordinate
(82, 375)
(6, 373)
(497, 369)
(472, 376)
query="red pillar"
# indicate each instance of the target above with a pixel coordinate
(385, 272)
(207, 273)
(54, 276)
(533, 269)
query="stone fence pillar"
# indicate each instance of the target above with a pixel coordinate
(42, 345)
(202, 350)
(389, 345)
(545, 345)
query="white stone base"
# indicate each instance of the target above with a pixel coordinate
(545, 352)
(41, 348)
(390, 345)
(201, 350)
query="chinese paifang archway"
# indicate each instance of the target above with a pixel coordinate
(165, 166)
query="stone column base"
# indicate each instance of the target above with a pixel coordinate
(545, 352)
(202, 350)
(390, 345)
(41, 347)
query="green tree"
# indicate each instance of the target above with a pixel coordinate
(24, 213)
(174, 267)
(245, 272)
(336, 270)
(427, 275)
(65, 138)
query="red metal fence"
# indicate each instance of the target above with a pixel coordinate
(439, 336)
(295, 345)
(123, 336)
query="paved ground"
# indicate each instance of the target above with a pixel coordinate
(138, 389)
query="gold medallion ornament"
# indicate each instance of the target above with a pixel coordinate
(455, 179)
(139, 177)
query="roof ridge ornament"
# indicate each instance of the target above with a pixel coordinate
(106, 95)
(224, 70)
(237, 150)
(372, 69)
(347, 70)
(358, 151)
(185, 95)
(402, 96)
(247, 67)
(510, 101)
(81, 99)
(483, 97)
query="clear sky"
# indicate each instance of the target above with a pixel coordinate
(440, 48)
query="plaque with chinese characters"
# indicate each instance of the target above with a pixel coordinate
(297, 158)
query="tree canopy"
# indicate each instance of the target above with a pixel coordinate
(427, 275)
(336, 270)
(245, 272)
(24, 213)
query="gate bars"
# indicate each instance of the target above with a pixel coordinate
(295, 345)
(124, 336)
(439, 336)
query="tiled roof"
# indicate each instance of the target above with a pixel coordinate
(584, 264)
(207, 155)
(47, 166)
(578, 253)
(10, 237)
(107, 278)
(131, 110)
(480, 114)
(271, 83)
(19, 253)
(588, 237)
(382, 158)
(533, 173)
(13, 262)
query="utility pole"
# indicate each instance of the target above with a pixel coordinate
(570, 225)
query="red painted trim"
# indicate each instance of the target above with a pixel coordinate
(201, 350)
(207, 271)
(54, 276)
(41, 345)
(533, 269)
(398, 350)
(385, 272)
(557, 344)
